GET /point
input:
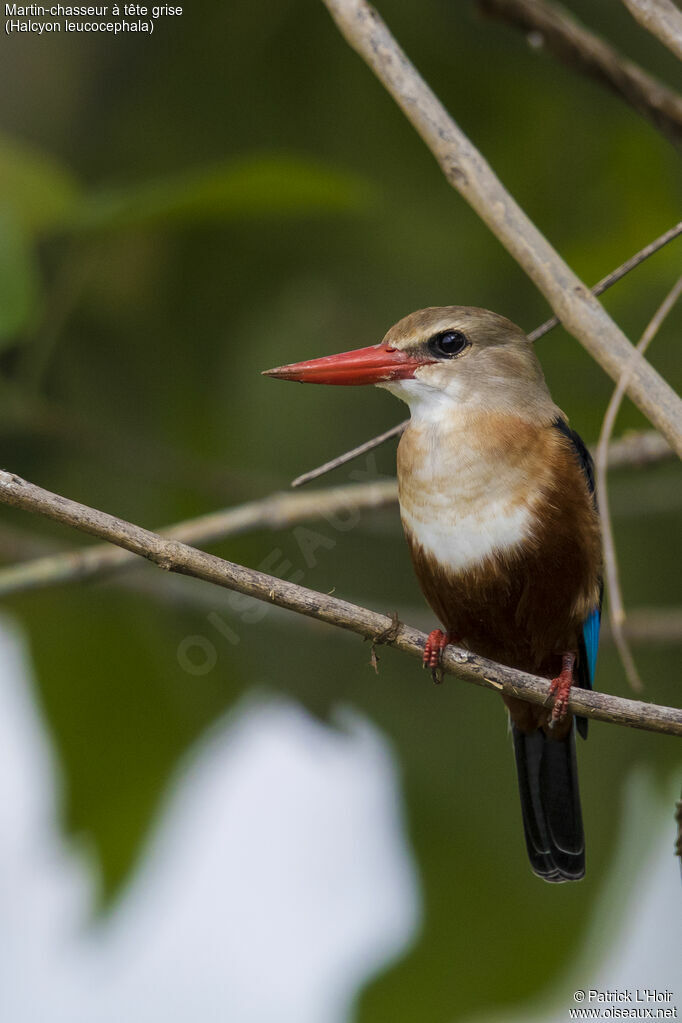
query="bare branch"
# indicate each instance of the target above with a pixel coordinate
(662, 18)
(467, 171)
(573, 44)
(174, 556)
(639, 448)
(648, 626)
(277, 511)
(652, 626)
(616, 607)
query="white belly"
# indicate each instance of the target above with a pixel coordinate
(462, 503)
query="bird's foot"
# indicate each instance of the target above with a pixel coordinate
(433, 648)
(560, 688)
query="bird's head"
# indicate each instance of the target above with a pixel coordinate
(442, 356)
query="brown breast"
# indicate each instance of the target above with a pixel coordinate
(524, 603)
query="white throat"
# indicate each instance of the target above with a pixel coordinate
(427, 404)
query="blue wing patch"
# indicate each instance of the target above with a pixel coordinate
(591, 640)
(587, 659)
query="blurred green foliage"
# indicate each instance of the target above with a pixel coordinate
(18, 276)
(242, 189)
(178, 214)
(40, 192)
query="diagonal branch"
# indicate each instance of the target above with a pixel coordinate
(349, 456)
(647, 626)
(662, 18)
(277, 511)
(467, 171)
(564, 37)
(174, 556)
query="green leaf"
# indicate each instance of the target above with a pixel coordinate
(38, 189)
(251, 187)
(19, 286)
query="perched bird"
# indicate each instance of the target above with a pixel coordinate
(497, 503)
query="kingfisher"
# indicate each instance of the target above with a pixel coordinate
(497, 503)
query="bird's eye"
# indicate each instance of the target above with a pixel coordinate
(448, 343)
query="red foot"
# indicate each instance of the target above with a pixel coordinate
(433, 648)
(560, 689)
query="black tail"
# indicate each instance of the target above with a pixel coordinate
(550, 805)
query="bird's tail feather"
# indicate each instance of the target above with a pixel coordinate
(550, 804)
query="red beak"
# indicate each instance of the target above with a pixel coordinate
(363, 366)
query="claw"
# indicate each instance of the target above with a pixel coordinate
(560, 689)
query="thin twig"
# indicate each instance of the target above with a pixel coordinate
(662, 18)
(467, 171)
(554, 29)
(361, 449)
(174, 556)
(616, 607)
(278, 511)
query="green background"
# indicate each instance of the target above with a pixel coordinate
(180, 211)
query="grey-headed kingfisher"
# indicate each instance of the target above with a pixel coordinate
(497, 503)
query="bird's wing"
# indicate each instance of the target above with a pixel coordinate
(581, 453)
(589, 641)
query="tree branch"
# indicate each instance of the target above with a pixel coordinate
(573, 44)
(662, 18)
(277, 511)
(174, 556)
(647, 626)
(654, 625)
(639, 448)
(274, 512)
(467, 171)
